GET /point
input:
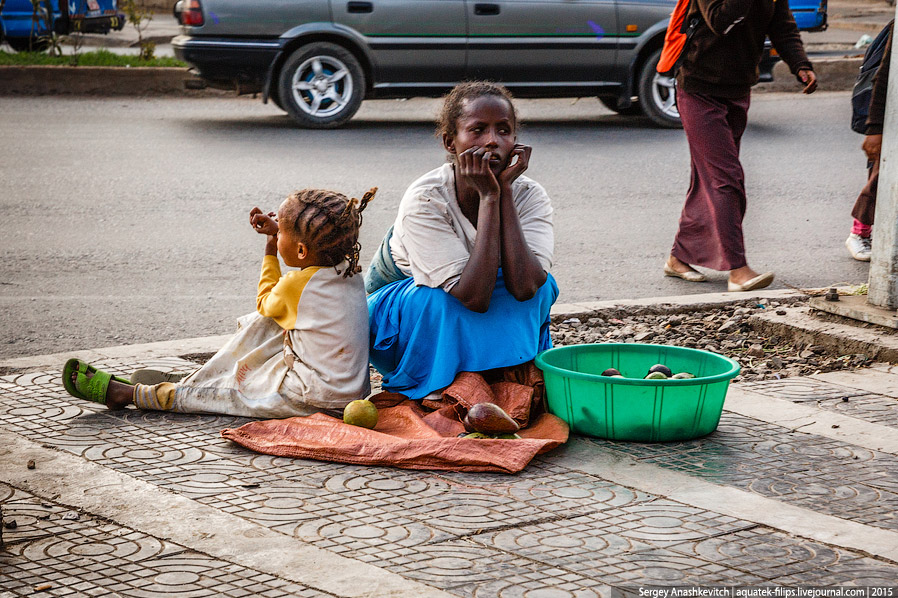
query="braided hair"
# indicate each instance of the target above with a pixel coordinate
(329, 223)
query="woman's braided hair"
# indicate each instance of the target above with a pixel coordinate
(329, 222)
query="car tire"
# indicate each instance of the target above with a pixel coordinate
(20, 44)
(657, 95)
(611, 103)
(321, 85)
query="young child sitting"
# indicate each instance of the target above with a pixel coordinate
(304, 350)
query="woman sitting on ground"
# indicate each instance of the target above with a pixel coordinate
(461, 282)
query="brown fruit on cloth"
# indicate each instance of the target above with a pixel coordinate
(489, 418)
(361, 412)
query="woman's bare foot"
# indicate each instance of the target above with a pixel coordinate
(118, 395)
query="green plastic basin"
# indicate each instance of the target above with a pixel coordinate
(632, 408)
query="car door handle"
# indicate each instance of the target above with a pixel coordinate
(357, 7)
(486, 9)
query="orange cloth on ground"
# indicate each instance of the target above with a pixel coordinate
(414, 435)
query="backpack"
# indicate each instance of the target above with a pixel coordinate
(863, 86)
(679, 32)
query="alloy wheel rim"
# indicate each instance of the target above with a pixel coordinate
(322, 86)
(664, 95)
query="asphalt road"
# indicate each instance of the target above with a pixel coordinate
(125, 220)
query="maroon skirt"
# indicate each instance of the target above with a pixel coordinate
(710, 231)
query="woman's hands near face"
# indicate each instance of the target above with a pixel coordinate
(264, 224)
(516, 167)
(474, 167)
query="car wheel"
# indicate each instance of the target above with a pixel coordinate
(321, 85)
(657, 94)
(20, 44)
(611, 103)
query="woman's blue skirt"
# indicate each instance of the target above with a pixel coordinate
(421, 338)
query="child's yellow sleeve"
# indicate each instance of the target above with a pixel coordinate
(278, 296)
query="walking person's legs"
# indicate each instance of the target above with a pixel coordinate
(859, 242)
(710, 228)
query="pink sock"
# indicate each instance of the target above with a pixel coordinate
(860, 229)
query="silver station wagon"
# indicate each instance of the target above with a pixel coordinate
(318, 59)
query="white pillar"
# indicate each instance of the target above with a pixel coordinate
(883, 280)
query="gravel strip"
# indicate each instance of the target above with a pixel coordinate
(722, 329)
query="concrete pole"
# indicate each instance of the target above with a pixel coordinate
(883, 279)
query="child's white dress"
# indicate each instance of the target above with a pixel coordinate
(305, 350)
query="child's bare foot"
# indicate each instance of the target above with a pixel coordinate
(118, 395)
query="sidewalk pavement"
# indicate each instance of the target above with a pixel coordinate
(797, 487)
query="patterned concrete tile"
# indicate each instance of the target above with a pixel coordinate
(546, 532)
(564, 490)
(87, 557)
(461, 513)
(34, 519)
(764, 551)
(532, 585)
(825, 475)
(561, 543)
(369, 533)
(801, 390)
(466, 569)
(663, 567)
(527, 587)
(663, 522)
(859, 571)
(877, 409)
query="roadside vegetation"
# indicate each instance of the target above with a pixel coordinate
(92, 58)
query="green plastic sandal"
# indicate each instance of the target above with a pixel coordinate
(90, 389)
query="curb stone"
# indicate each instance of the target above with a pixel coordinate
(560, 312)
(841, 336)
(799, 324)
(676, 304)
(834, 75)
(98, 80)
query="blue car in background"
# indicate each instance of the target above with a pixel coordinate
(23, 28)
(810, 15)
